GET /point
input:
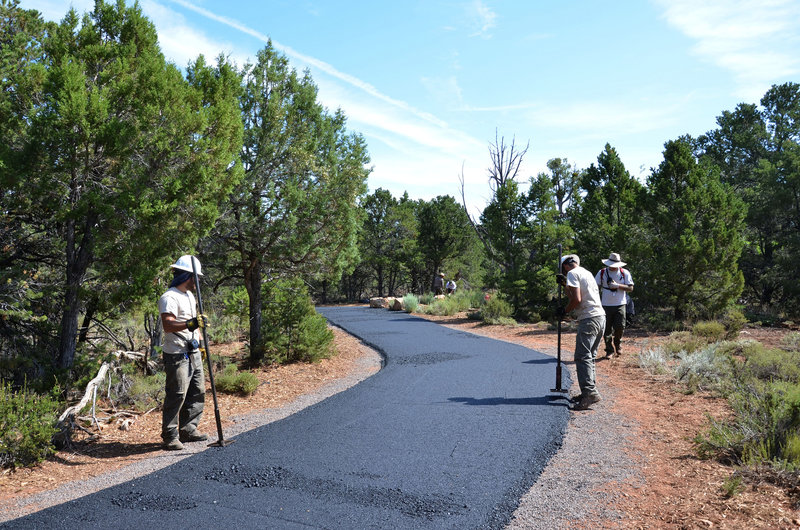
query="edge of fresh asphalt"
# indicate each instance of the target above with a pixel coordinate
(451, 433)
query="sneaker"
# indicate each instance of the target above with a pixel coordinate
(194, 437)
(586, 401)
(172, 445)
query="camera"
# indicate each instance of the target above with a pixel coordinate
(193, 345)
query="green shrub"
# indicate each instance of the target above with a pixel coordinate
(771, 364)
(732, 486)
(683, 341)
(791, 342)
(146, 391)
(232, 381)
(497, 310)
(427, 298)
(709, 330)
(292, 330)
(703, 369)
(734, 321)
(764, 429)
(411, 303)
(27, 426)
(442, 307)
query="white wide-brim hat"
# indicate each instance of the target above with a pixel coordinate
(614, 261)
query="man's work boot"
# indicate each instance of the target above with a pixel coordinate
(586, 401)
(194, 437)
(172, 445)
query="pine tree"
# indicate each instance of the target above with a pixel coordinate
(695, 236)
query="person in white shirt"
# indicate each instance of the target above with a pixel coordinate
(183, 363)
(450, 286)
(615, 283)
(584, 299)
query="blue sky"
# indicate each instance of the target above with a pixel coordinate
(429, 83)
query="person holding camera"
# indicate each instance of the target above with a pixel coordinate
(584, 299)
(183, 363)
(615, 283)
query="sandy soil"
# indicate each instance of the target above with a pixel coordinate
(679, 490)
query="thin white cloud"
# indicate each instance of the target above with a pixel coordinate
(382, 112)
(756, 40)
(481, 17)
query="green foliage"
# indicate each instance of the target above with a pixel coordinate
(146, 392)
(695, 234)
(497, 311)
(771, 364)
(712, 331)
(734, 321)
(444, 233)
(427, 298)
(293, 331)
(294, 212)
(232, 381)
(610, 216)
(758, 151)
(732, 486)
(120, 162)
(27, 425)
(450, 305)
(791, 342)
(411, 303)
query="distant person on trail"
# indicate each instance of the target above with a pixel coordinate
(183, 363)
(584, 299)
(438, 283)
(614, 282)
(451, 286)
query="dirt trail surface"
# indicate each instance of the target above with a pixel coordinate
(451, 433)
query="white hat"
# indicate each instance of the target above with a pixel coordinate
(573, 257)
(184, 263)
(614, 261)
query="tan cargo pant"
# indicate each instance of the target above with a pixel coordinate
(185, 394)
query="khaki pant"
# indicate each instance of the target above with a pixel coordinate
(185, 394)
(615, 326)
(590, 333)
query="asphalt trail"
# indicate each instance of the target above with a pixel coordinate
(449, 434)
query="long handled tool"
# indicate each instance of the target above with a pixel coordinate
(558, 365)
(221, 441)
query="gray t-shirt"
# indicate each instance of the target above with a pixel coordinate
(182, 306)
(590, 305)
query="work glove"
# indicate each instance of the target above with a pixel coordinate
(200, 321)
(561, 279)
(203, 353)
(561, 312)
(612, 285)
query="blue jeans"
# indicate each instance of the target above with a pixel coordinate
(590, 334)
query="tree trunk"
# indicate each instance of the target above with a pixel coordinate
(87, 319)
(77, 264)
(252, 282)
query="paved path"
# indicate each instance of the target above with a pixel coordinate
(449, 434)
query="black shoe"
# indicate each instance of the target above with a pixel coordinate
(194, 437)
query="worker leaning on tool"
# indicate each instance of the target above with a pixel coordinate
(183, 363)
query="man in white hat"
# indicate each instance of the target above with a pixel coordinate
(183, 363)
(615, 283)
(438, 283)
(584, 299)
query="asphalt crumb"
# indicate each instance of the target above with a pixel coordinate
(429, 358)
(136, 500)
(427, 507)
